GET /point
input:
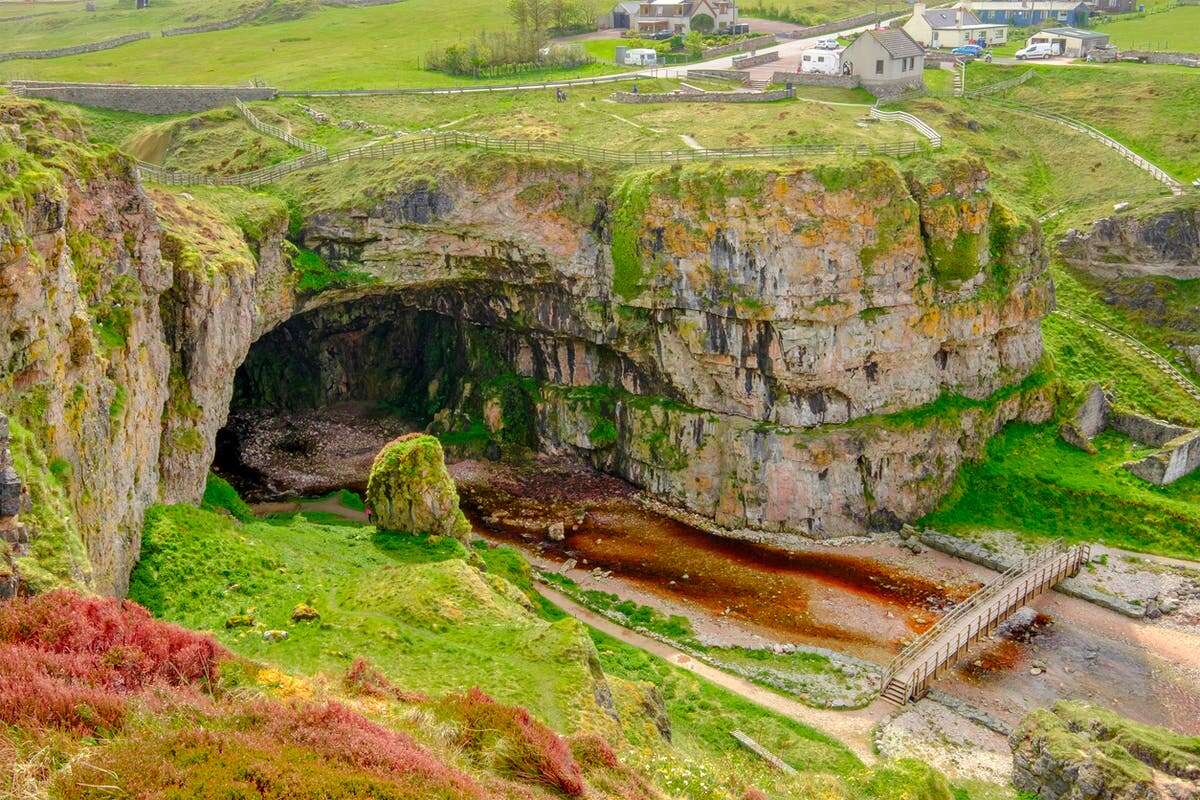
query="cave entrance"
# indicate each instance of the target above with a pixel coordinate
(318, 396)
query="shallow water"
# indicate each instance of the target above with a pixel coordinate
(839, 598)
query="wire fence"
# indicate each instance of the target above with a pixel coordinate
(453, 139)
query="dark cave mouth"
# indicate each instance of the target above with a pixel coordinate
(318, 396)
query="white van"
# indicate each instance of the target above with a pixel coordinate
(1038, 50)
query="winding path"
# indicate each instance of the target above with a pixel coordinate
(852, 728)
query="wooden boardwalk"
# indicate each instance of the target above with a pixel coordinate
(908, 677)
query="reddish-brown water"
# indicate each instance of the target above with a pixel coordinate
(842, 598)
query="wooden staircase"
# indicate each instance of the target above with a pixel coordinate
(909, 675)
(960, 78)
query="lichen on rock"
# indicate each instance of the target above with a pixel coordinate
(410, 490)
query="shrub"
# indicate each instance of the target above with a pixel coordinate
(364, 679)
(69, 661)
(525, 747)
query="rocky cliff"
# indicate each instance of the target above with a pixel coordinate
(1162, 239)
(1075, 751)
(799, 349)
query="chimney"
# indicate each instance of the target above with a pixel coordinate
(918, 10)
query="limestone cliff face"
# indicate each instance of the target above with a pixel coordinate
(731, 316)
(82, 358)
(119, 331)
(757, 344)
(797, 297)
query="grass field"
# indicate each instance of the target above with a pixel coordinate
(70, 24)
(1150, 109)
(1031, 481)
(327, 48)
(1176, 30)
(809, 12)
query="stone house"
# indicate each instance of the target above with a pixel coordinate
(1028, 13)
(952, 27)
(674, 17)
(887, 61)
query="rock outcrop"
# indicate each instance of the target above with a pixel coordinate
(1139, 242)
(796, 349)
(410, 490)
(14, 537)
(1075, 751)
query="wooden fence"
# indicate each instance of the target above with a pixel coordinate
(275, 131)
(452, 139)
(929, 133)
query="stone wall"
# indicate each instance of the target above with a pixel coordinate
(889, 90)
(837, 25)
(1180, 453)
(221, 25)
(741, 62)
(720, 74)
(143, 99)
(814, 79)
(1157, 57)
(704, 97)
(740, 47)
(90, 47)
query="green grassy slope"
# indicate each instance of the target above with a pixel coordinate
(1177, 30)
(422, 612)
(1032, 482)
(328, 48)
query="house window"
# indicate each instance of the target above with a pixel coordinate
(879, 67)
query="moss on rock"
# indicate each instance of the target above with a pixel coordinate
(410, 491)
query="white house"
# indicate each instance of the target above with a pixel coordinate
(818, 61)
(952, 27)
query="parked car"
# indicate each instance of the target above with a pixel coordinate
(972, 50)
(1040, 50)
(828, 43)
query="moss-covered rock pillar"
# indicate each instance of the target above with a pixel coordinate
(410, 490)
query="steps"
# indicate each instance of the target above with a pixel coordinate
(758, 85)
(960, 78)
(896, 693)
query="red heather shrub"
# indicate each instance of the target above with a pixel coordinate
(754, 794)
(590, 750)
(68, 661)
(364, 680)
(338, 733)
(203, 764)
(530, 749)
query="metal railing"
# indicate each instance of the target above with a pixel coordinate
(1045, 568)
(928, 132)
(276, 131)
(450, 139)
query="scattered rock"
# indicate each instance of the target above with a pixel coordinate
(240, 621)
(274, 635)
(555, 532)
(303, 612)
(567, 565)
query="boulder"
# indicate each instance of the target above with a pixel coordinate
(409, 489)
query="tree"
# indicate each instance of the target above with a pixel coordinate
(703, 23)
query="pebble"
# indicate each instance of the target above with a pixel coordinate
(1036, 671)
